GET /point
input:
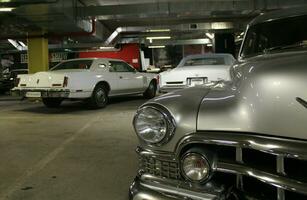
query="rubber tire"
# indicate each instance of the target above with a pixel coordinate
(150, 91)
(94, 102)
(52, 102)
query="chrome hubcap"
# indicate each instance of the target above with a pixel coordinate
(101, 96)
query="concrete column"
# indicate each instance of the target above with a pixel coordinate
(38, 55)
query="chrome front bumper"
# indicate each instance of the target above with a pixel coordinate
(48, 93)
(148, 187)
(274, 176)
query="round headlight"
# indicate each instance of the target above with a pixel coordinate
(152, 125)
(195, 167)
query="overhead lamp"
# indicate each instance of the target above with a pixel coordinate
(6, 9)
(210, 35)
(159, 38)
(20, 46)
(156, 47)
(221, 25)
(106, 48)
(159, 30)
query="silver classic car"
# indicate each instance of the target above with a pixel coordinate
(245, 139)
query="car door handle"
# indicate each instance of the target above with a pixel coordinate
(120, 77)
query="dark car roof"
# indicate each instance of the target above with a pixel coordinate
(280, 14)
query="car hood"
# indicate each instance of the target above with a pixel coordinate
(262, 99)
(183, 106)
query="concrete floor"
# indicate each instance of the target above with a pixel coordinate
(67, 153)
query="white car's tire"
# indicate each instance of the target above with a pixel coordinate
(52, 102)
(99, 98)
(151, 90)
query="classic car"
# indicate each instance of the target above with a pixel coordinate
(244, 139)
(195, 70)
(92, 80)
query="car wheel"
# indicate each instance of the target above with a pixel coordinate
(52, 102)
(151, 90)
(99, 97)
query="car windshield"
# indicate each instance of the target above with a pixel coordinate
(289, 33)
(205, 61)
(74, 64)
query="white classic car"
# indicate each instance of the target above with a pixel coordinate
(196, 70)
(93, 80)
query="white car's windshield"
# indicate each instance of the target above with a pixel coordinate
(205, 61)
(74, 64)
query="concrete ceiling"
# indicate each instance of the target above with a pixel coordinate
(64, 20)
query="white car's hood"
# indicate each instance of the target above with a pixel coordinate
(211, 72)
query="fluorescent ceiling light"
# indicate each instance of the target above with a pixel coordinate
(106, 48)
(210, 35)
(6, 9)
(159, 30)
(18, 45)
(156, 47)
(159, 38)
(22, 44)
(222, 25)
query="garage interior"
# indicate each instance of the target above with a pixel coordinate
(76, 153)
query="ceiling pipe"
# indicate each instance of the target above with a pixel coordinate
(48, 35)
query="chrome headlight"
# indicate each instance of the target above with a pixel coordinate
(154, 125)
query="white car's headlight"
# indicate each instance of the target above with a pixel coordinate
(154, 125)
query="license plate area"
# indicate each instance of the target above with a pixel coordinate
(33, 94)
(196, 81)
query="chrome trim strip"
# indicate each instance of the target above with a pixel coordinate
(271, 179)
(288, 148)
(280, 194)
(280, 163)
(155, 154)
(177, 188)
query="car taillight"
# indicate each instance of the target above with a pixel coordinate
(17, 81)
(65, 83)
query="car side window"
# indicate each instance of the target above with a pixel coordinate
(117, 66)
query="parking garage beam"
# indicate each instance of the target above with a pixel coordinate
(38, 54)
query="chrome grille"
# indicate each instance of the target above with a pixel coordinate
(160, 168)
(263, 159)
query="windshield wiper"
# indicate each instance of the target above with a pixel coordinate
(282, 47)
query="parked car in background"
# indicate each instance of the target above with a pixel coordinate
(8, 79)
(244, 139)
(196, 70)
(92, 80)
